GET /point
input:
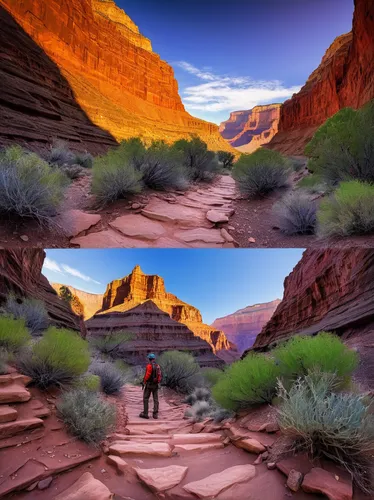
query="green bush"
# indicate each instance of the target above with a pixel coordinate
(13, 334)
(133, 150)
(89, 382)
(350, 210)
(200, 163)
(324, 352)
(29, 187)
(111, 379)
(86, 415)
(246, 383)
(212, 375)
(85, 160)
(179, 371)
(226, 158)
(31, 310)
(261, 172)
(337, 425)
(343, 147)
(57, 359)
(115, 176)
(297, 214)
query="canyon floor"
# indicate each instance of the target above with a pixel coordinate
(39, 460)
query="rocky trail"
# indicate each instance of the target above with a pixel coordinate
(170, 458)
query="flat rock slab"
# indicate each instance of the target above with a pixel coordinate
(198, 446)
(17, 426)
(298, 462)
(86, 488)
(12, 378)
(7, 414)
(75, 222)
(119, 463)
(163, 478)
(174, 213)
(216, 216)
(150, 449)
(323, 482)
(107, 239)
(202, 437)
(138, 226)
(212, 485)
(251, 445)
(210, 236)
(14, 393)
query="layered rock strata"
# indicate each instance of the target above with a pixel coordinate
(81, 70)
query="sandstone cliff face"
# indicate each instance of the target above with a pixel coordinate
(136, 288)
(91, 302)
(155, 331)
(345, 78)
(243, 326)
(21, 275)
(329, 290)
(106, 81)
(249, 130)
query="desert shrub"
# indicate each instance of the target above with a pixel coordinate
(199, 410)
(339, 426)
(57, 358)
(324, 352)
(350, 210)
(86, 415)
(111, 379)
(179, 371)
(297, 214)
(220, 414)
(89, 382)
(111, 343)
(4, 356)
(85, 160)
(13, 334)
(133, 150)
(261, 172)
(162, 168)
(297, 163)
(314, 184)
(246, 383)
(122, 366)
(198, 394)
(343, 147)
(31, 310)
(73, 171)
(29, 187)
(212, 375)
(200, 163)
(60, 153)
(226, 158)
(114, 177)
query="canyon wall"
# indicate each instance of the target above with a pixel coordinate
(330, 290)
(21, 275)
(345, 78)
(91, 302)
(80, 70)
(136, 288)
(243, 326)
(249, 130)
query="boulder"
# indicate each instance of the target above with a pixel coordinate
(86, 488)
(216, 216)
(162, 478)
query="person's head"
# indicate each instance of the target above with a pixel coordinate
(151, 357)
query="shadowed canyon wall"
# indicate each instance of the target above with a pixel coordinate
(248, 130)
(243, 326)
(106, 82)
(91, 302)
(345, 78)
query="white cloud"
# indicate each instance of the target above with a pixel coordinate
(226, 93)
(52, 265)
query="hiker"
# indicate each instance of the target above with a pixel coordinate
(150, 383)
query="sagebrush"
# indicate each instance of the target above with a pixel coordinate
(111, 378)
(179, 371)
(31, 310)
(297, 214)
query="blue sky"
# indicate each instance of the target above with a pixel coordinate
(233, 55)
(218, 282)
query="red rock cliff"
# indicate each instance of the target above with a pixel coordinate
(243, 326)
(21, 275)
(345, 78)
(91, 302)
(137, 287)
(329, 290)
(248, 130)
(111, 84)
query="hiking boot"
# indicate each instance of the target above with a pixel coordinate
(143, 415)
(155, 415)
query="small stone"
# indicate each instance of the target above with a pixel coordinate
(24, 237)
(231, 228)
(32, 486)
(251, 240)
(295, 478)
(103, 471)
(43, 485)
(265, 455)
(258, 460)
(226, 235)
(135, 206)
(272, 427)
(271, 465)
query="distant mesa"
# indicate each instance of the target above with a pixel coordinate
(251, 129)
(243, 326)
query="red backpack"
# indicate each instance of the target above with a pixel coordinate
(156, 375)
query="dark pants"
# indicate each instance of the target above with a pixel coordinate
(148, 390)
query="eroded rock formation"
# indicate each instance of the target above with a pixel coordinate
(80, 70)
(91, 302)
(248, 130)
(329, 290)
(21, 275)
(155, 331)
(345, 78)
(243, 326)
